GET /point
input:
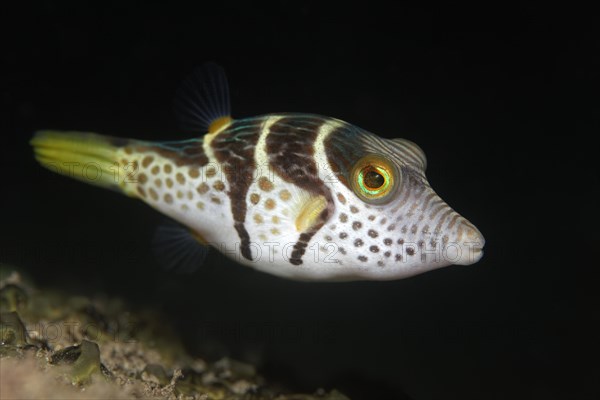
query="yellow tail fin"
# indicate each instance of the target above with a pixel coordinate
(85, 156)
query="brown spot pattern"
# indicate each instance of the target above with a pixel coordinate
(147, 161)
(265, 184)
(194, 173)
(219, 186)
(270, 204)
(285, 195)
(203, 188)
(211, 172)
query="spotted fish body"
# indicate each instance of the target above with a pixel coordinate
(278, 193)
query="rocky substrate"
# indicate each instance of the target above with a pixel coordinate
(59, 346)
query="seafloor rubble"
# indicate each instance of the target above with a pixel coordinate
(58, 346)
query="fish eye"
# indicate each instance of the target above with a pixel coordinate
(374, 179)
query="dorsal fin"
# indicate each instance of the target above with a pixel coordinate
(202, 101)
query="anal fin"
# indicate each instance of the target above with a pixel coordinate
(178, 249)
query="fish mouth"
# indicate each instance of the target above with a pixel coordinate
(466, 254)
(471, 250)
(477, 253)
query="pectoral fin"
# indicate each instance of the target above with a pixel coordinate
(309, 214)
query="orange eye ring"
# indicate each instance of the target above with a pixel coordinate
(374, 179)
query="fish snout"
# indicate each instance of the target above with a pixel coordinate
(468, 249)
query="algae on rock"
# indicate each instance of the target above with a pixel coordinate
(58, 346)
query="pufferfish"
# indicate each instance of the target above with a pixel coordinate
(299, 196)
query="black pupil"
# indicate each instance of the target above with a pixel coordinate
(374, 180)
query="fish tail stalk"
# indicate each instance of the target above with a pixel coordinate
(88, 157)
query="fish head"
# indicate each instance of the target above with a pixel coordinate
(388, 223)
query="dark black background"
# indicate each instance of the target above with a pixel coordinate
(502, 100)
